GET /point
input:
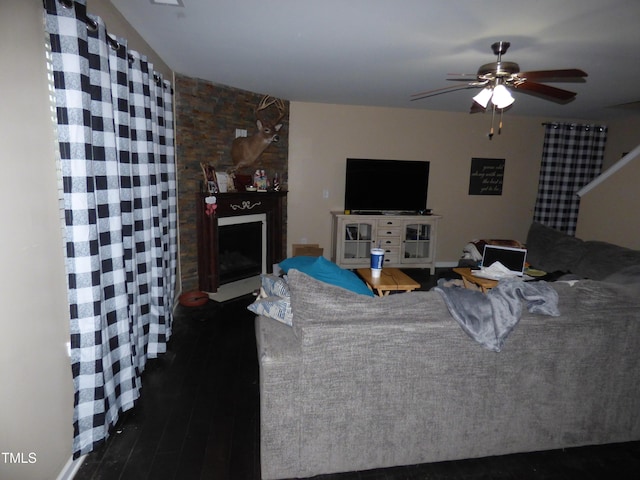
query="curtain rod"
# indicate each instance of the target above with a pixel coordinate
(81, 13)
(577, 125)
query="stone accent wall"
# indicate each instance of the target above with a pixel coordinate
(207, 116)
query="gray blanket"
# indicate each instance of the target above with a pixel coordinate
(490, 318)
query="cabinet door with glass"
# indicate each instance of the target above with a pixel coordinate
(417, 242)
(358, 236)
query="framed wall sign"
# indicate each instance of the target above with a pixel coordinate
(487, 175)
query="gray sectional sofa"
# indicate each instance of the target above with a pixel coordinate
(553, 251)
(357, 383)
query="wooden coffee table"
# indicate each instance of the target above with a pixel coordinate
(469, 278)
(390, 280)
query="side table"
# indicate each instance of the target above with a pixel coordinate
(470, 279)
(390, 280)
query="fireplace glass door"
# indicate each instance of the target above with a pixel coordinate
(240, 249)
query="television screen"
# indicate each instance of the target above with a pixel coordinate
(386, 185)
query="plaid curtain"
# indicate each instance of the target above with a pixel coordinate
(118, 191)
(571, 157)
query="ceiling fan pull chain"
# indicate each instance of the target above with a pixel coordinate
(493, 114)
(500, 124)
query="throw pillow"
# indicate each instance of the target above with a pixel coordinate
(299, 263)
(274, 285)
(274, 300)
(326, 271)
(274, 307)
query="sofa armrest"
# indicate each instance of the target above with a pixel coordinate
(602, 259)
(279, 360)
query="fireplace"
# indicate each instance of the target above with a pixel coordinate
(242, 239)
(242, 247)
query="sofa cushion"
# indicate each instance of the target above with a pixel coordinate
(322, 269)
(552, 251)
(602, 259)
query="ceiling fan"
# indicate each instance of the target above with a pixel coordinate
(497, 78)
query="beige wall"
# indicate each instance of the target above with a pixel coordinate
(322, 136)
(623, 136)
(36, 394)
(609, 212)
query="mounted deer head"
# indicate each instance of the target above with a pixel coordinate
(246, 150)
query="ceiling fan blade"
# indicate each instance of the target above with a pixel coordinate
(546, 90)
(551, 74)
(438, 91)
(477, 108)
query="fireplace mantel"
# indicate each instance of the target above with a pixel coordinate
(231, 205)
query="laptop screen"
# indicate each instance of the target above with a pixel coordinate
(512, 258)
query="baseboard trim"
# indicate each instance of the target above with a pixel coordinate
(71, 468)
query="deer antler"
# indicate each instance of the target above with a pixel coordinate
(267, 101)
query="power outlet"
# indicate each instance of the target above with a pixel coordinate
(325, 193)
(241, 132)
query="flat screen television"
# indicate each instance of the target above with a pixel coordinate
(386, 186)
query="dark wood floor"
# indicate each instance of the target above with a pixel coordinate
(198, 418)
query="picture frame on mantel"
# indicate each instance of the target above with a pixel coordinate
(210, 178)
(487, 176)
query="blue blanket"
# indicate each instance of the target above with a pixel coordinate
(490, 318)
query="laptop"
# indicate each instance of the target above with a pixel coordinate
(512, 258)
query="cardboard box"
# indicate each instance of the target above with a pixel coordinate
(306, 249)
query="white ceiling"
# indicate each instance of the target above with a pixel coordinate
(379, 52)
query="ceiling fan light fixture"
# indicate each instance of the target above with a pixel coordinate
(502, 98)
(483, 97)
(498, 78)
